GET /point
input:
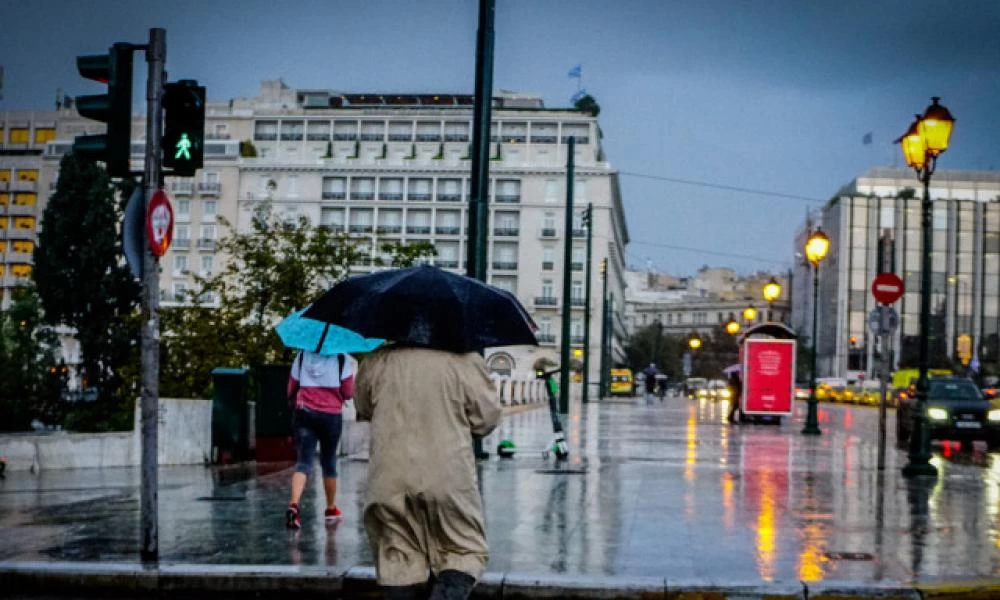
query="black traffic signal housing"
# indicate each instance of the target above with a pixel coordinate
(183, 141)
(113, 148)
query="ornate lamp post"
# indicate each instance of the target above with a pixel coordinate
(817, 246)
(922, 143)
(772, 291)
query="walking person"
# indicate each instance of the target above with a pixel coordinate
(317, 389)
(650, 382)
(735, 396)
(423, 513)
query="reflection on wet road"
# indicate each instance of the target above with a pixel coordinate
(663, 490)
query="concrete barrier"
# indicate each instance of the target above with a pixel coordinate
(185, 438)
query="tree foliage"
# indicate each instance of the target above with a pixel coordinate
(31, 378)
(83, 283)
(588, 104)
(274, 268)
(650, 345)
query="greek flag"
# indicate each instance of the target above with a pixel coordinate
(576, 72)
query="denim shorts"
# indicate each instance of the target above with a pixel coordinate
(312, 427)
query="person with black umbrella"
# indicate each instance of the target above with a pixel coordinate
(426, 395)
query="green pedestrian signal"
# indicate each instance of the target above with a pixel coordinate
(184, 127)
(183, 147)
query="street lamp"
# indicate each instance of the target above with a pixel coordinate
(733, 327)
(922, 143)
(694, 342)
(817, 246)
(772, 291)
(749, 314)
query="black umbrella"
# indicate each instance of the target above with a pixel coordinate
(425, 306)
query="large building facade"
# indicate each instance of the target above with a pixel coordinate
(383, 167)
(884, 203)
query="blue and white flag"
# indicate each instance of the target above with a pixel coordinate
(576, 97)
(576, 72)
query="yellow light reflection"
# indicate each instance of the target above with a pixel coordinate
(692, 445)
(766, 528)
(728, 512)
(811, 559)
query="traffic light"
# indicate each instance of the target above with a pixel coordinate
(114, 108)
(183, 142)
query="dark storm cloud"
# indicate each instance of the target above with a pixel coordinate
(766, 94)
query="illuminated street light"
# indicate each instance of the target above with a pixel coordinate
(817, 247)
(749, 314)
(733, 327)
(925, 140)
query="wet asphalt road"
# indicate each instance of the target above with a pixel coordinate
(665, 490)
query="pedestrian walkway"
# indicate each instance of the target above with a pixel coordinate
(650, 493)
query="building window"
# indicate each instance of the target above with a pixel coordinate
(208, 232)
(183, 232)
(45, 134)
(19, 135)
(180, 264)
(208, 211)
(547, 289)
(551, 190)
(207, 264)
(27, 174)
(25, 199)
(183, 208)
(180, 292)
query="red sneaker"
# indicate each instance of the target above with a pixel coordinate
(292, 520)
(333, 515)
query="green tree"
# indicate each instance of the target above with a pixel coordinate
(82, 283)
(31, 380)
(247, 149)
(588, 104)
(276, 267)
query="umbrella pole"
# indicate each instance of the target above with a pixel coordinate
(322, 338)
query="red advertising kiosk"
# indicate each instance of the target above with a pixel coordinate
(767, 361)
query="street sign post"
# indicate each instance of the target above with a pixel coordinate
(159, 223)
(883, 321)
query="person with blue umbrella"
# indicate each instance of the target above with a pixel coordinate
(321, 381)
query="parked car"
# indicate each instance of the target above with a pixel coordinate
(956, 410)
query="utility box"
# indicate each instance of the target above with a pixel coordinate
(232, 421)
(275, 441)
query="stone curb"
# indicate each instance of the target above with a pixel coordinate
(133, 580)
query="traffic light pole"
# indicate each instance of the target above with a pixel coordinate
(156, 55)
(567, 304)
(586, 309)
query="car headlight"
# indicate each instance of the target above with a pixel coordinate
(937, 414)
(727, 394)
(994, 415)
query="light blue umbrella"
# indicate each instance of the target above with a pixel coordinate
(325, 339)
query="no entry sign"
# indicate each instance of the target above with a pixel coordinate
(887, 288)
(159, 223)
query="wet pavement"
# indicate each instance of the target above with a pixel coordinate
(668, 490)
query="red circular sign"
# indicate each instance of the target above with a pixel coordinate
(887, 288)
(159, 223)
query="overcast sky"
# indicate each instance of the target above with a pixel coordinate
(772, 95)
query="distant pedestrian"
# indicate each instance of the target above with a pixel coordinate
(735, 395)
(423, 513)
(317, 389)
(650, 373)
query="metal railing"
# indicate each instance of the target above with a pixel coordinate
(580, 139)
(389, 229)
(181, 244)
(318, 137)
(447, 264)
(400, 137)
(265, 137)
(548, 265)
(545, 338)
(418, 229)
(182, 187)
(371, 137)
(448, 230)
(500, 265)
(291, 137)
(578, 302)
(576, 339)
(508, 198)
(514, 139)
(576, 266)
(209, 187)
(359, 228)
(391, 196)
(548, 232)
(345, 137)
(506, 231)
(362, 195)
(334, 195)
(449, 197)
(418, 197)
(428, 137)
(544, 139)
(579, 233)
(206, 244)
(456, 137)
(546, 301)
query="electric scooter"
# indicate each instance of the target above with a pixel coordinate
(559, 447)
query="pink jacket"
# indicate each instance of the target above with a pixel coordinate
(317, 383)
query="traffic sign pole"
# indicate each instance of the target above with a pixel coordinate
(156, 55)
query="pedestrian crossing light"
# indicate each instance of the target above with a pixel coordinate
(183, 142)
(112, 147)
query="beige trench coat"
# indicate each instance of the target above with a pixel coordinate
(423, 511)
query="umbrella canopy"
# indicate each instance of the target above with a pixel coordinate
(303, 333)
(426, 306)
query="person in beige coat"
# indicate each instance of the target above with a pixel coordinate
(423, 513)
